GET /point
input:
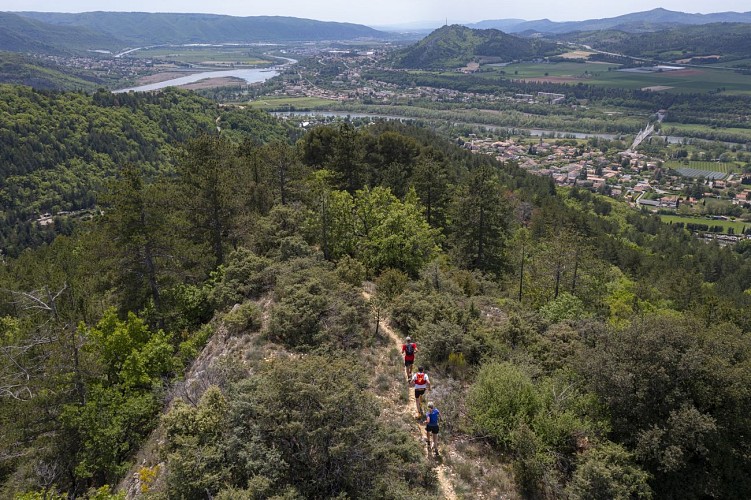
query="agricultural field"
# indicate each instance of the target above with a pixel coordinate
(214, 55)
(732, 134)
(738, 226)
(706, 169)
(288, 103)
(607, 74)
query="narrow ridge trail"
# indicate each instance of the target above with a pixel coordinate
(442, 471)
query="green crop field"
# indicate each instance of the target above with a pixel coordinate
(737, 225)
(687, 80)
(708, 166)
(288, 103)
(733, 134)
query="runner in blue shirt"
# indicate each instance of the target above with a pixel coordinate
(431, 425)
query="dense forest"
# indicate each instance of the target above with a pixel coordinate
(206, 331)
(57, 149)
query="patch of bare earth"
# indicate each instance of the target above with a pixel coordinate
(576, 54)
(225, 81)
(163, 77)
(684, 72)
(656, 88)
(551, 79)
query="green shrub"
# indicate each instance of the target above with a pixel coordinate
(416, 307)
(608, 471)
(531, 463)
(294, 247)
(390, 284)
(243, 317)
(187, 307)
(190, 347)
(438, 341)
(245, 275)
(296, 319)
(501, 398)
(566, 306)
(351, 271)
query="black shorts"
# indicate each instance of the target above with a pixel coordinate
(431, 428)
(409, 363)
(419, 392)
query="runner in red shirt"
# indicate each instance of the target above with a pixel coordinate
(409, 349)
(421, 382)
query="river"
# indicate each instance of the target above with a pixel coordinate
(250, 75)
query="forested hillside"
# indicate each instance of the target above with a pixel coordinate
(456, 46)
(57, 149)
(22, 34)
(577, 348)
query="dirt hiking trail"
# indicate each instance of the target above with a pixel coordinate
(418, 430)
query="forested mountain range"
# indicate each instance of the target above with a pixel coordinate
(141, 28)
(572, 339)
(651, 20)
(455, 46)
(25, 34)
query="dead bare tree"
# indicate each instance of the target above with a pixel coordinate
(24, 355)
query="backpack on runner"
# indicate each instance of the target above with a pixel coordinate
(410, 349)
(419, 379)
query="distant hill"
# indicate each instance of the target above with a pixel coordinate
(22, 34)
(140, 28)
(722, 41)
(651, 20)
(455, 46)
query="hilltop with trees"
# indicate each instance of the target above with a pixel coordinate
(190, 336)
(455, 46)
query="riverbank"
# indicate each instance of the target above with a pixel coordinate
(163, 77)
(214, 78)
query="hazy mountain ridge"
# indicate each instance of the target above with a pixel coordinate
(147, 28)
(659, 18)
(22, 34)
(721, 41)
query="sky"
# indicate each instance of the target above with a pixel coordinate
(388, 12)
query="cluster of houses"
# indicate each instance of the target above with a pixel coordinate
(114, 67)
(628, 174)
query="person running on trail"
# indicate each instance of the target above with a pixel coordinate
(409, 349)
(431, 426)
(421, 382)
